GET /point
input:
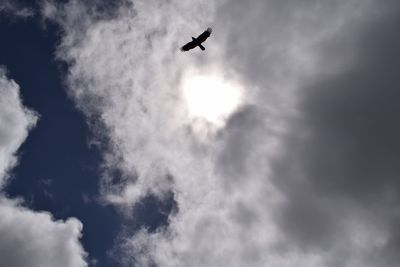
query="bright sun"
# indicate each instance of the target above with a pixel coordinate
(211, 98)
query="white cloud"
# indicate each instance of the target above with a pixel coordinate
(29, 238)
(35, 239)
(126, 69)
(15, 122)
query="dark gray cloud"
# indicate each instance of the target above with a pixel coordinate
(344, 146)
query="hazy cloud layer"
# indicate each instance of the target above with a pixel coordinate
(29, 238)
(304, 173)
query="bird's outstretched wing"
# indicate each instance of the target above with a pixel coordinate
(202, 37)
(188, 46)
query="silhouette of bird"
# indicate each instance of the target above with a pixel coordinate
(197, 41)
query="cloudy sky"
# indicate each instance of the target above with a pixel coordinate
(276, 146)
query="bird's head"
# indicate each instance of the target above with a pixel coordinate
(194, 39)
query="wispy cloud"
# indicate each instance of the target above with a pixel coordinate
(15, 9)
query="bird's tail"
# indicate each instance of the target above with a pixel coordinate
(201, 47)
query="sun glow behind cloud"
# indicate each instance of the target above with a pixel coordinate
(211, 98)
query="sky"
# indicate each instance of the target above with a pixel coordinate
(276, 146)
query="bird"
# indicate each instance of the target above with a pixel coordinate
(197, 41)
